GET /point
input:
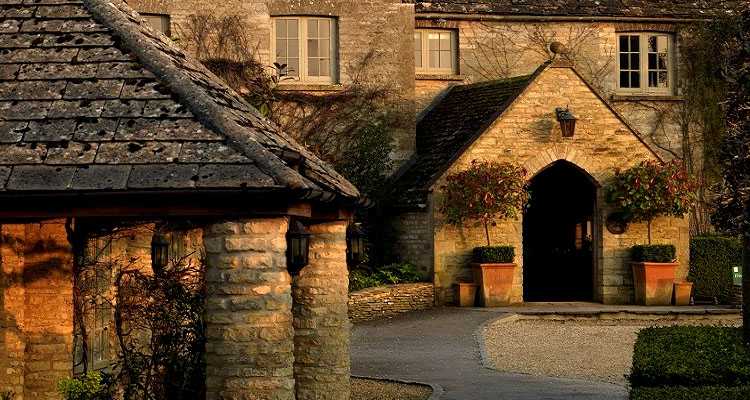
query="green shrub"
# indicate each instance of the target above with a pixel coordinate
(493, 254)
(6, 395)
(654, 253)
(81, 388)
(690, 356)
(690, 393)
(711, 262)
(386, 275)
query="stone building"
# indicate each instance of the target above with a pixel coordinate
(564, 251)
(104, 121)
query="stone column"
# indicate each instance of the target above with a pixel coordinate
(48, 314)
(321, 325)
(249, 334)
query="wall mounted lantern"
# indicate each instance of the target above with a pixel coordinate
(567, 122)
(355, 245)
(298, 247)
(159, 252)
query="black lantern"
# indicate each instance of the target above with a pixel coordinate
(567, 122)
(355, 245)
(159, 252)
(298, 247)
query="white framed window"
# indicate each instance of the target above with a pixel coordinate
(645, 63)
(308, 46)
(160, 22)
(436, 51)
(93, 285)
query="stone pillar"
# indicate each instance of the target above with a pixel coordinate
(48, 314)
(321, 324)
(12, 338)
(249, 334)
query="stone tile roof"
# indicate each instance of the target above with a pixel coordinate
(463, 113)
(93, 100)
(582, 8)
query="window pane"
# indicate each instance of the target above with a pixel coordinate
(325, 69)
(292, 31)
(292, 68)
(663, 79)
(293, 47)
(281, 28)
(635, 79)
(624, 61)
(652, 79)
(662, 44)
(312, 67)
(281, 49)
(624, 79)
(434, 59)
(635, 43)
(312, 48)
(635, 61)
(623, 43)
(312, 28)
(662, 61)
(652, 43)
(652, 61)
(445, 59)
(434, 41)
(325, 48)
(445, 41)
(418, 49)
(325, 29)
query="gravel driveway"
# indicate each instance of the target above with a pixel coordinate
(599, 350)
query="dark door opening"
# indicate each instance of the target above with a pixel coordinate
(558, 236)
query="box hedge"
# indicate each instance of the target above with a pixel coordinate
(690, 356)
(658, 253)
(493, 254)
(711, 262)
(690, 393)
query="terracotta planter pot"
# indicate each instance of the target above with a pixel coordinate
(654, 282)
(682, 293)
(466, 293)
(495, 283)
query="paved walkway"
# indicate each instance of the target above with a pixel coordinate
(439, 346)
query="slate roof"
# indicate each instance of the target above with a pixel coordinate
(463, 113)
(583, 8)
(93, 100)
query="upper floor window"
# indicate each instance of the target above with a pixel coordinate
(435, 51)
(159, 22)
(307, 46)
(646, 63)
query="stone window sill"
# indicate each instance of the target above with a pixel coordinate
(311, 87)
(440, 77)
(641, 97)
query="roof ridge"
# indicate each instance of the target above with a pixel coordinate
(224, 111)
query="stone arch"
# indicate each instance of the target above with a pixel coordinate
(567, 153)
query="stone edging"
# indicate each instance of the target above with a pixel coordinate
(437, 390)
(387, 301)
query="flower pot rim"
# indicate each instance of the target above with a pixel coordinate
(655, 264)
(494, 265)
(683, 283)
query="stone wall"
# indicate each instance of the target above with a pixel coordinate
(412, 240)
(528, 133)
(375, 48)
(250, 339)
(387, 301)
(36, 320)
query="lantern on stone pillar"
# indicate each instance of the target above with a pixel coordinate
(159, 252)
(355, 245)
(298, 247)
(567, 122)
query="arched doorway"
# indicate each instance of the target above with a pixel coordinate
(559, 235)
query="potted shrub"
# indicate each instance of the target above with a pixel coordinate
(486, 193)
(644, 192)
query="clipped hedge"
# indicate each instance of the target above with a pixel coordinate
(659, 253)
(690, 356)
(493, 254)
(690, 393)
(711, 262)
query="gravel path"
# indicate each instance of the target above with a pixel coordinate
(373, 389)
(598, 350)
